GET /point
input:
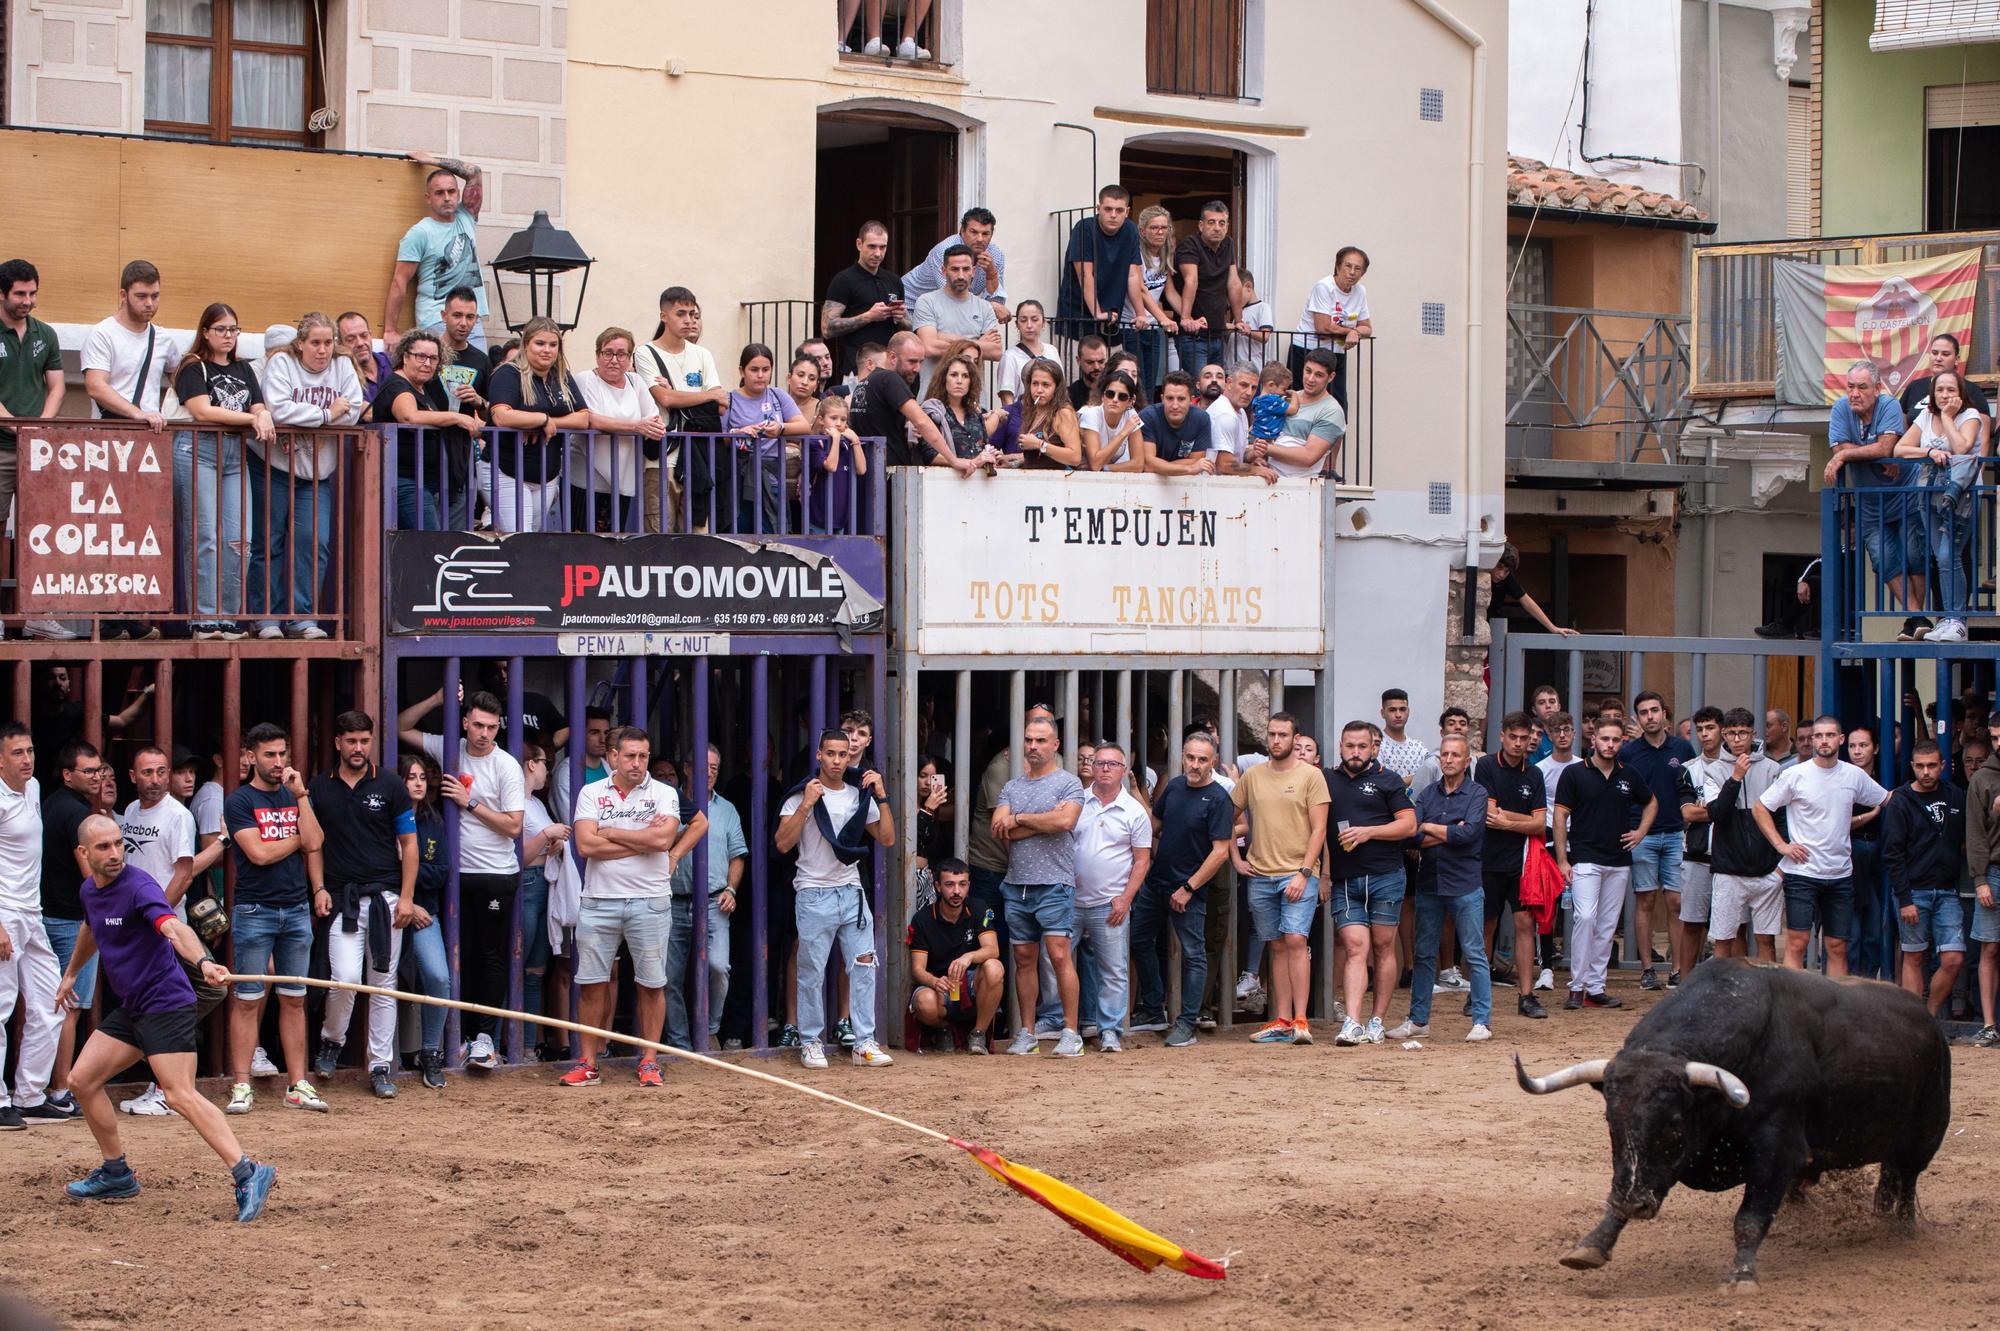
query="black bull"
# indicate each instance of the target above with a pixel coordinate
(1763, 1077)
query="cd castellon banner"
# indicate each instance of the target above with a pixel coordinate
(1138, 564)
(1831, 315)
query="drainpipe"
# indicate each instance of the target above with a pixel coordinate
(1714, 182)
(1475, 294)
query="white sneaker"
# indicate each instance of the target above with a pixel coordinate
(481, 1054)
(1546, 980)
(1375, 1033)
(261, 1064)
(1025, 1042)
(49, 629)
(874, 47)
(1949, 630)
(868, 1054)
(1455, 981)
(1409, 1030)
(270, 632)
(813, 1054)
(152, 1102)
(309, 633)
(907, 49)
(1246, 985)
(1070, 1046)
(1351, 1033)
(1110, 1043)
(1479, 1032)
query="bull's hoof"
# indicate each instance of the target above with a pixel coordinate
(1747, 1285)
(1584, 1258)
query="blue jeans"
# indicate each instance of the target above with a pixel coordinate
(294, 537)
(1101, 970)
(534, 942)
(62, 941)
(825, 914)
(424, 506)
(1891, 531)
(680, 951)
(1197, 350)
(1369, 898)
(433, 978)
(1949, 532)
(1656, 862)
(279, 937)
(1940, 922)
(1468, 916)
(1273, 915)
(208, 514)
(1866, 937)
(1191, 927)
(1150, 345)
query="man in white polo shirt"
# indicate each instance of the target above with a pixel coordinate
(1114, 848)
(625, 826)
(29, 975)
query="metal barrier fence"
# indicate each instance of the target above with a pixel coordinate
(1928, 546)
(280, 535)
(780, 325)
(625, 483)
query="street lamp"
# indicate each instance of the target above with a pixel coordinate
(540, 253)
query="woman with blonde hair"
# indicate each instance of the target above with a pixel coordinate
(1150, 320)
(309, 385)
(533, 398)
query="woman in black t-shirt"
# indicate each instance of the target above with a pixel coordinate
(222, 398)
(534, 395)
(413, 396)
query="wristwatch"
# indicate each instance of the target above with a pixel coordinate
(472, 804)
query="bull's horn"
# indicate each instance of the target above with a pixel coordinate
(1719, 1079)
(1576, 1074)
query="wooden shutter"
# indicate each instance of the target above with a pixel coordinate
(1798, 163)
(1962, 105)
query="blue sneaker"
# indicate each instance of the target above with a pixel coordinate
(253, 1192)
(99, 1186)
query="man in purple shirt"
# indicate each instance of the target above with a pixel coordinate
(127, 918)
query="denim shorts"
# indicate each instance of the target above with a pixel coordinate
(62, 941)
(1986, 920)
(1374, 898)
(643, 924)
(1038, 910)
(277, 938)
(1829, 901)
(1656, 862)
(1274, 916)
(1940, 922)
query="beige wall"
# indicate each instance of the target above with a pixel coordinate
(75, 64)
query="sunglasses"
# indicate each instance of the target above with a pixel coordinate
(1117, 395)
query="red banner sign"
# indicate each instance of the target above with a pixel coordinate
(94, 520)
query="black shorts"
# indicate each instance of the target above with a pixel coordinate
(1502, 890)
(170, 1032)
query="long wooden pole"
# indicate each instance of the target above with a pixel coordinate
(598, 1031)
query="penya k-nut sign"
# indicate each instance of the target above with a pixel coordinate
(576, 582)
(1100, 563)
(94, 524)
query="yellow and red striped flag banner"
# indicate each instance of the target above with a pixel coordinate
(1135, 1243)
(1831, 315)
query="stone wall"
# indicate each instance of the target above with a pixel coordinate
(1465, 657)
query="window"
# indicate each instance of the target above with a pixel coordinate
(1962, 132)
(229, 71)
(1194, 48)
(1798, 161)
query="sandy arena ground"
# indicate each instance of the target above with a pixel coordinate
(1369, 1187)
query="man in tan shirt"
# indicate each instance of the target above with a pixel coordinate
(1281, 805)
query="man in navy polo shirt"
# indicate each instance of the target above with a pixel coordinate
(1592, 824)
(1451, 814)
(1658, 756)
(1371, 819)
(1516, 807)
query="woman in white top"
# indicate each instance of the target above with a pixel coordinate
(624, 421)
(1111, 425)
(1336, 317)
(1030, 319)
(1945, 435)
(308, 387)
(1150, 321)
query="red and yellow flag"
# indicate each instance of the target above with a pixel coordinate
(1136, 1244)
(1831, 315)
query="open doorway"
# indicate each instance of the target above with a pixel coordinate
(899, 168)
(1183, 177)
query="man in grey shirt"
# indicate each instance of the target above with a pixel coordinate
(1034, 818)
(952, 312)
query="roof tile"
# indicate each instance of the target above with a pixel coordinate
(1536, 184)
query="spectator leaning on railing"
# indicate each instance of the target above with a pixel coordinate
(1335, 317)
(1179, 439)
(1041, 430)
(1101, 269)
(31, 373)
(1209, 295)
(885, 404)
(623, 413)
(1111, 427)
(216, 388)
(952, 402)
(680, 374)
(440, 252)
(308, 387)
(952, 313)
(414, 394)
(1029, 325)
(535, 395)
(1148, 321)
(372, 367)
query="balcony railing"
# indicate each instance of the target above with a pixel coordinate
(253, 542)
(1929, 546)
(890, 23)
(1736, 308)
(1603, 385)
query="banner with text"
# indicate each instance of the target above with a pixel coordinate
(1832, 315)
(535, 582)
(94, 523)
(1104, 563)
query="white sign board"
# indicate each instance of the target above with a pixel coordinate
(643, 644)
(1093, 563)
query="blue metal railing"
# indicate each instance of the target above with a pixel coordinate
(1925, 546)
